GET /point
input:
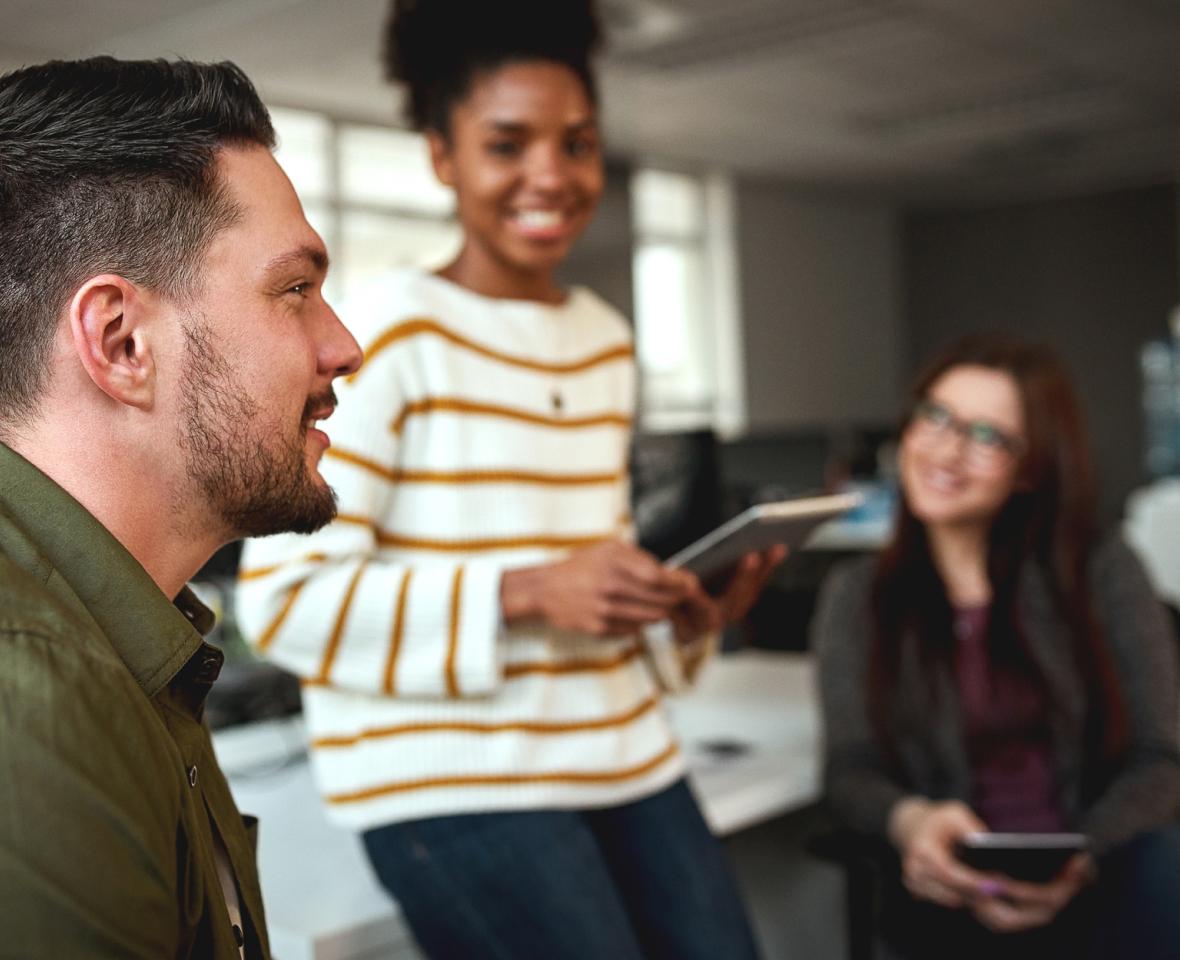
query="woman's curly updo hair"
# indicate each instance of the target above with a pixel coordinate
(438, 47)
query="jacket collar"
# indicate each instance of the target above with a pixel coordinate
(58, 541)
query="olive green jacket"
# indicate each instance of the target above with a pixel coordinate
(109, 790)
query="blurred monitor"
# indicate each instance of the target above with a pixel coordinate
(675, 489)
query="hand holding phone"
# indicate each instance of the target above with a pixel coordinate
(926, 834)
(1022, 905)
(1031, 857)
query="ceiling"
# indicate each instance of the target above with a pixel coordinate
(927, 100)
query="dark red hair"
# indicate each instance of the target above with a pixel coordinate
(1049, 520)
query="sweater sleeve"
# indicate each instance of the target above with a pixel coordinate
(857, 779)
(1145, 793)
(337, 609)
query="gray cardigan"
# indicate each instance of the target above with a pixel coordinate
(863, 784)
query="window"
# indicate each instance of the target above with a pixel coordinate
(371, 194)
(686, 309)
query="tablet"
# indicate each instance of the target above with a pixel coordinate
(1035, 857)
(789, 522)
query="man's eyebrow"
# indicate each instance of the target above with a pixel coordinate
(299, 257)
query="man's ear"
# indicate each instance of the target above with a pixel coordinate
(110, 335)
(440, 157)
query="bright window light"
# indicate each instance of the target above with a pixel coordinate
(667, 204)
(370, 192)
(374, 243)
(662, 292)
(390, 168)
(304, 151)
(675, 321)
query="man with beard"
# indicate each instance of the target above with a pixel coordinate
(166, 354)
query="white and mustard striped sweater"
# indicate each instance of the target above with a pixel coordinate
(480, 435)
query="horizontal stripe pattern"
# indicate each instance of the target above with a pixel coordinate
(385, 538)
(401, 476)
(470, 443)
(567, 776)
(514, 670)
(510, 450)
(478, 517)
(559, 667)
(425, 326)
(462, 406)
(518, 726)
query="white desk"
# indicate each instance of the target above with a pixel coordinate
(322, 900)
(767, 702)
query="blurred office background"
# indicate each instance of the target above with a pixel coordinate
(805, 198)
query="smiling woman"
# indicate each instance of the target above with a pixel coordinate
(475, 630)
(960, 449)
(521, 151)
(1001, 667)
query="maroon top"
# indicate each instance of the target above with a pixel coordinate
(1006, 726)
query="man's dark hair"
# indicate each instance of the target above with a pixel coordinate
(107, 166)
(438, 47)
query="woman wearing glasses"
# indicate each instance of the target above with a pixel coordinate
(1001, 667)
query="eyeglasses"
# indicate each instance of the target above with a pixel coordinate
(988, 447)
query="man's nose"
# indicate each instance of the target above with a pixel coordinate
(340, 354)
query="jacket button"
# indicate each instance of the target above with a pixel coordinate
(210, 669)
(192, 776)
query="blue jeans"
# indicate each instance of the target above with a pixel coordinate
(643, 880)
(1139, 893)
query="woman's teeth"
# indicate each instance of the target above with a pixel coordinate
(539, 219)
(942, 481)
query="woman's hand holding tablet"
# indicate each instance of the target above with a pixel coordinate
(702, 611)
(611, 589)
(787, 523)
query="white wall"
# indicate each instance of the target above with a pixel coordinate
(821, 299)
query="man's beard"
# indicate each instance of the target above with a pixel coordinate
(254, 478)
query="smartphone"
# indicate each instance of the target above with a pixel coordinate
(1034, 857)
